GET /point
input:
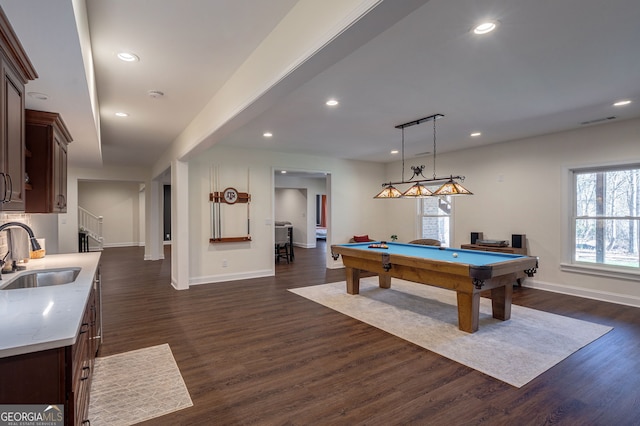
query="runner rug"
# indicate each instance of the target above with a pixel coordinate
(134, 386)
(514, 351)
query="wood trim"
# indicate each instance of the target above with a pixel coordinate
(507, 249)
(229, 239)
(12, 48)
(43, 118)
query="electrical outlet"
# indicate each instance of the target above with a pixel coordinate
(225, 263)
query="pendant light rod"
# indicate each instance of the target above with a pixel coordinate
(418, 171)
(434, 147)
(434, 180)
(403, 154)
(433, 117)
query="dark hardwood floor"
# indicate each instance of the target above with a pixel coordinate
(251, 352)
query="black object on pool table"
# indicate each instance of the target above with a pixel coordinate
(442, 248)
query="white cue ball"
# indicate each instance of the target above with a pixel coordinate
(455, 254)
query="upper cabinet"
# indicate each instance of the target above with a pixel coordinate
(16, 70)
(47, 138)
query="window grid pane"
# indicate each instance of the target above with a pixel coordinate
(435, 218)
(607, 221)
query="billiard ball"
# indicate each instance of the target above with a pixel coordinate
(455, 254)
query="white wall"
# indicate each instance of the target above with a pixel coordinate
(291, 205)
(518, 189)
(118, 203)
(68, 222)
(255, 258)
(46, 226)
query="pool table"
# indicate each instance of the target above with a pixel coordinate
(467, 272)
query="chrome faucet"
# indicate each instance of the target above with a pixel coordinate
(34, 243)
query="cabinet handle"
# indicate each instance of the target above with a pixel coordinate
(4, 195)
(86, 422)
(84, 327)
(64, 201)
(88, 371)
(10, 189)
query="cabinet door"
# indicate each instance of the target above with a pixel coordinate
(12, 181)
(59, 175)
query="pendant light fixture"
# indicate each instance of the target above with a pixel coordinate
(418, 189)
(389, 191)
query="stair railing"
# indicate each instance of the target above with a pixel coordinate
(91, 224)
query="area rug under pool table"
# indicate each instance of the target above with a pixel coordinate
(514, 351)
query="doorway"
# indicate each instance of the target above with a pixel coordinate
(301, 200)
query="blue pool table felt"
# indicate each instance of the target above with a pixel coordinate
(471, 257)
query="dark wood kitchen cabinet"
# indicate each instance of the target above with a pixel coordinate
(59, 376)
(47, 138)
(16, 70)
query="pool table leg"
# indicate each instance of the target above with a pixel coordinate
(501, 301)
(384, 281)
(353, 280)
(468, 311)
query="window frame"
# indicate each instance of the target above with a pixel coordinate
(420, 215)
(570, 264)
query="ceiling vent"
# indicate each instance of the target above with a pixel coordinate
(155, 94)
(598, 120)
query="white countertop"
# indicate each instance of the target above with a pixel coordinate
(25, 326)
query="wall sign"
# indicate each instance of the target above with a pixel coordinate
(225, 208)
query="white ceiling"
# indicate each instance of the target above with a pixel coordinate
(549, 66)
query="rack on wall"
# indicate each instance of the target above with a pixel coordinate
(224, 213)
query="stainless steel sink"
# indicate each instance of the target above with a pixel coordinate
(42, 278)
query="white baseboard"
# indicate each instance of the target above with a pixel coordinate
(586, 293)
(302, 245)
(149, 257)
(212, 279)
(174, 284)
(112, 245)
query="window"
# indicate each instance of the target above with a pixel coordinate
(606, 219)
(434, 218)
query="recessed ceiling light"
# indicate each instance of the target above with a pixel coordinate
(128, 57)
(38, 95)
(475, 134)
(395, 151)
(622, 103)
(283, 172)
(332, 102)
(122, 114)
(485, 27)
(267, 134)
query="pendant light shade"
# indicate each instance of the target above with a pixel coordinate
(389, 191)
(451, 187)
(417, 191)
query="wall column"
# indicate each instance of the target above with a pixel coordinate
(180, 225)
(153, 249)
